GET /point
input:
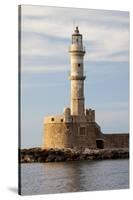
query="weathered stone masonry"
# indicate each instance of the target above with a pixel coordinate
(76, 127)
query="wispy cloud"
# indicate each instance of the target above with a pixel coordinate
(40, 86)
(44, 69)
(46, 31)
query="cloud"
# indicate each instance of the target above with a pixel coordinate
(46, 32)
(44, 69)
(75, 15)
(40, 86)
(42, 45)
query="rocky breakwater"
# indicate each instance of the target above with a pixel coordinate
(57, 155)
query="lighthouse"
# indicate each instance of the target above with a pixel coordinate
(77, 77)
(76, 127)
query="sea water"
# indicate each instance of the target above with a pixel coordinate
(74, 176)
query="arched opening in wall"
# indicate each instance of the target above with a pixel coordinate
(100, 144)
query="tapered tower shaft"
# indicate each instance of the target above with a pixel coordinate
(77, 77)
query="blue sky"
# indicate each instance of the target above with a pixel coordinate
(45, 65)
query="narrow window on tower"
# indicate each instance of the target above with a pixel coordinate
(52, 119)
(78, 65)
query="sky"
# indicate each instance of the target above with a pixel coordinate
(45, 66)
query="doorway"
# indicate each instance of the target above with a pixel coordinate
(100, 144)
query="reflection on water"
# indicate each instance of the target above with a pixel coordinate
(74, 176)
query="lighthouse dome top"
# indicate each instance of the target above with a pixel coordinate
(76, 31)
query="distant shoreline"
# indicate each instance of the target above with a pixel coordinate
(34, 155)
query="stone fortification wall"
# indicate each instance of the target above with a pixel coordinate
(66, 131)
(71, 135)
(116, 140)
(80, 135)
(57, 135)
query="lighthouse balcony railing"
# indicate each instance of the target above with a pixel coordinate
(71, 74)
(76, 76)
(76, 48)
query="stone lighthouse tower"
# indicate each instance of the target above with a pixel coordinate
(77, 77)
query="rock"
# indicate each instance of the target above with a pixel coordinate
(50, 158)
(87, 151)
(60, 158)
(58, 155)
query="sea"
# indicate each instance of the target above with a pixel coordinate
(74, 176)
